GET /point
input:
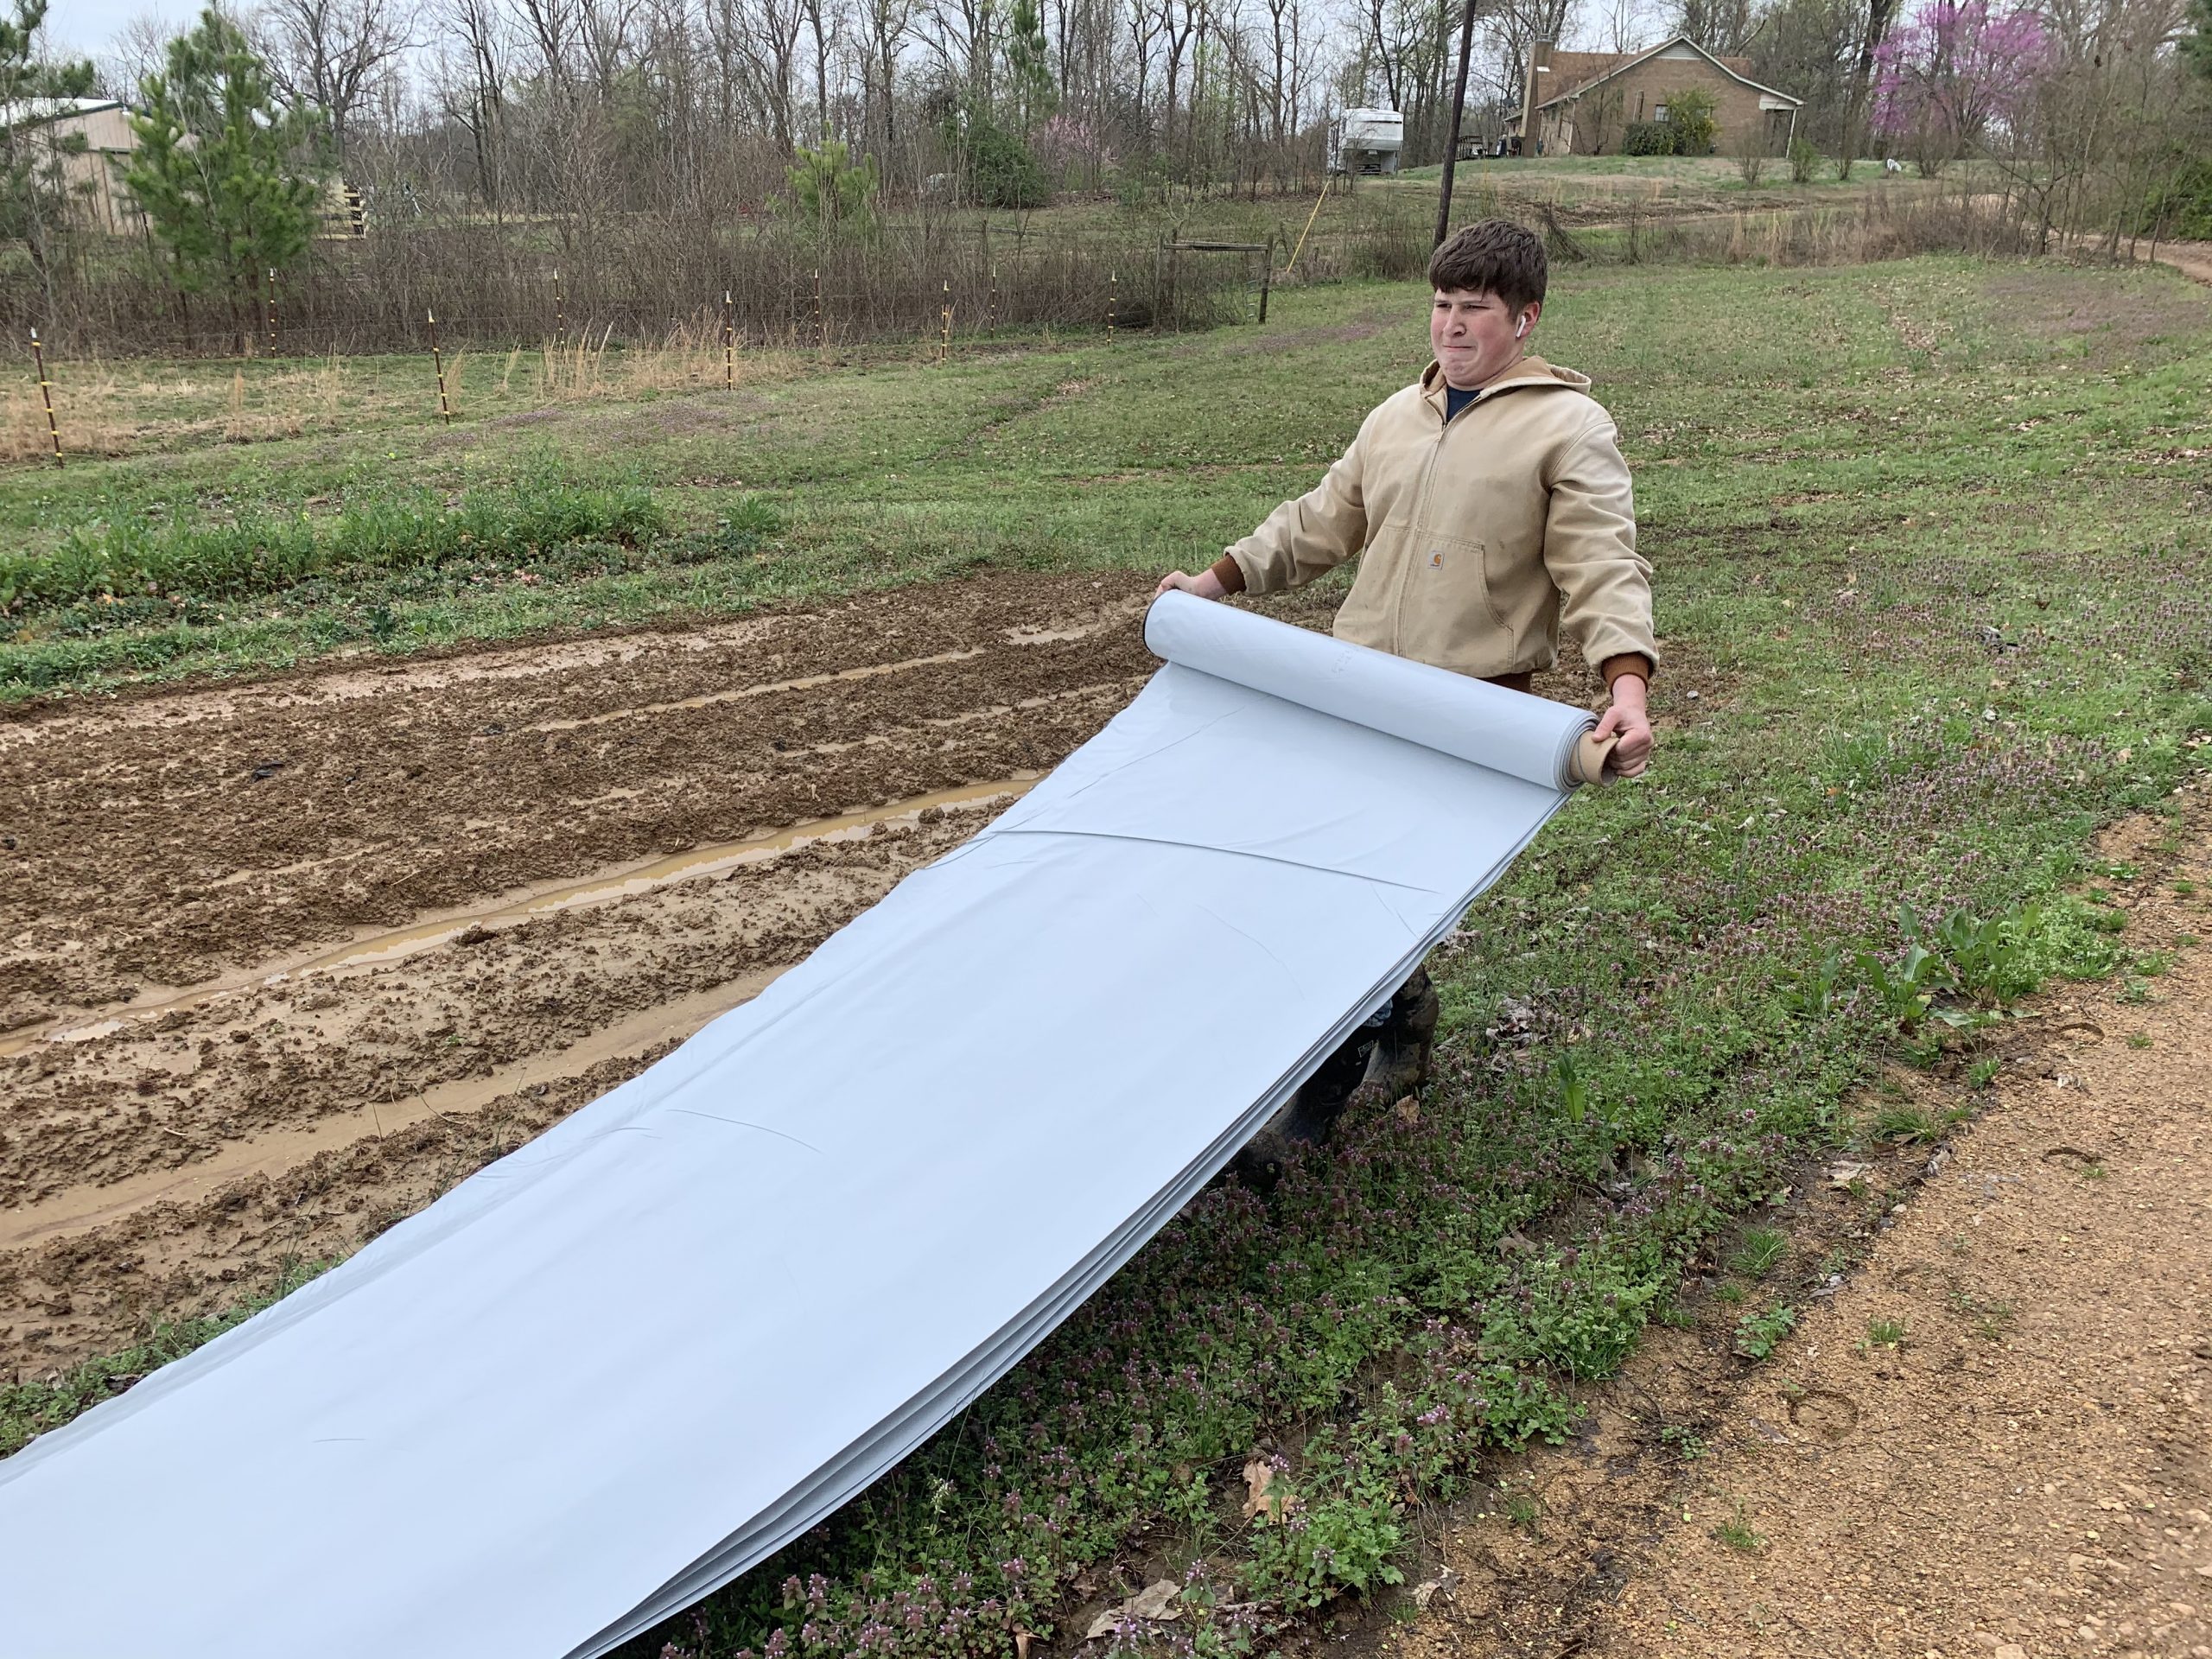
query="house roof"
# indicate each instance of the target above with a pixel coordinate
(33, 112)
(1583, 70)
(53, 109)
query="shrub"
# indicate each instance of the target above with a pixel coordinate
(1648, 138)
(1000, 171)
(1749, 150)
(1803, 158)
(2180, 207)
(1690, 114)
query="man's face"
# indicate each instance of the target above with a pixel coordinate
(1473, 337)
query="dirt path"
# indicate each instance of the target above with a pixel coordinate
(2192, 259)
(281, 961)
(1993, 1437)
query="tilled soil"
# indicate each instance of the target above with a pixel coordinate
(152, 843)
(285, 960)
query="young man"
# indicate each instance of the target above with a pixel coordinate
(1489, 508)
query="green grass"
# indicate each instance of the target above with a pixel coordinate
(1737, 1533)
(1932, 552)
(1795, 433)
(1884, 1334)
(1761, 1251)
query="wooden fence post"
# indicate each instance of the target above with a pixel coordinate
(1113, 299)
(560, 318)
(272, 311)
(820, 330)
(944, 321)
(729, 346)
(1266, 278)
(46, 392)
(438, 363)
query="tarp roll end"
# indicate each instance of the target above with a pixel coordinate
(1527, 737)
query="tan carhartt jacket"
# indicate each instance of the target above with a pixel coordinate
(1478, 541)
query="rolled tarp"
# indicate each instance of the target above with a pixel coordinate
(619, 1367)
(1485, 725)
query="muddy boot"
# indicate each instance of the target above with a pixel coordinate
(1400, 1063)
(1307, 1116)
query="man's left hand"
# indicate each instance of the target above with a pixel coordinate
(1628, 721)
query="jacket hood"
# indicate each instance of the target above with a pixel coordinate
(1530, 371)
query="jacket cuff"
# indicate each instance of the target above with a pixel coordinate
(1229, 572)
(1629, 662)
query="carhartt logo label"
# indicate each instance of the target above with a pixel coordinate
(1436, 558)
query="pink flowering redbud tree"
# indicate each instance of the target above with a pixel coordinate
(1956, 75)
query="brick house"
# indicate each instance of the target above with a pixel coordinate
(1580, 103)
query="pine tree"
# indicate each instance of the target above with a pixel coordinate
(34, 181)
(226, 176)
(2196, 45)
(1029, 59)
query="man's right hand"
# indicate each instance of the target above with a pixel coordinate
(1206, 584)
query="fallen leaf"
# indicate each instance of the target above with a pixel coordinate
(1442, 1584)
(1845, 1173)
(1153, 1602)
(1259, 1476)
(1021, 1644)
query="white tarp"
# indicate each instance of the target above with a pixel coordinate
(619, 1366)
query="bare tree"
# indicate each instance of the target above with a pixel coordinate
(604, 29)
(1144, 43)
(884, 26)
(141, 47)
(1178, 19)
(470, 77)
(826, 20)
(1724, 27)
(963, 36)
(330, 53)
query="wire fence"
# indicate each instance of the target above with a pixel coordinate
(505, 286)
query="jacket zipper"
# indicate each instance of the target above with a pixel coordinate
(1414, 524)
(1420, 505)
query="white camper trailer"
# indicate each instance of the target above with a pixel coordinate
(1366, 141)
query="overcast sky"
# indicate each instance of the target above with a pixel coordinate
(86, 29)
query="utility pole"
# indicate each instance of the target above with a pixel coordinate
(1451, 143)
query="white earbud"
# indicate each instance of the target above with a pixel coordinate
(1523, 329)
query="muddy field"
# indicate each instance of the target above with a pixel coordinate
(286, 960)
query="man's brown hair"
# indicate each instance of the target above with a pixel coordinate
(1493, 256)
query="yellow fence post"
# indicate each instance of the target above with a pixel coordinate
(438, 363)
(46, 392)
